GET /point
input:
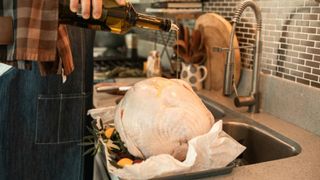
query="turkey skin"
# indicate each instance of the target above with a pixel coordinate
(159, 116)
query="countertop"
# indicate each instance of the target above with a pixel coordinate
(305, 165)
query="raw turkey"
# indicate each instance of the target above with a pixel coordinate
(160, 116)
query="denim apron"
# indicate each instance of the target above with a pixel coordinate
(42, 120)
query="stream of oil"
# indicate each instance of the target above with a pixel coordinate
(177, 66)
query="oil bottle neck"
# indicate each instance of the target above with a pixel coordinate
(152, 22)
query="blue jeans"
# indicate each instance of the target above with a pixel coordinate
(42, 120)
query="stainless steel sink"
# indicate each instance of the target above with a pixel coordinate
(262, 143)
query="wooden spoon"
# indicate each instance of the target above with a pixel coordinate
(181, 46)
(186, 37)
(181, 32)
(195, 40)
(198, 57)
(180, 49)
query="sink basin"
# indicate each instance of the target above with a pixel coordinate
(262, 143)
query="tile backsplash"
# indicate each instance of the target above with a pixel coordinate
(290, 35)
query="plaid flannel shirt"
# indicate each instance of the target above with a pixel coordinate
(37, 36)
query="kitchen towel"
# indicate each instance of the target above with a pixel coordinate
(4, 68)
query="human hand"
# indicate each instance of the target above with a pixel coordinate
(86, 4)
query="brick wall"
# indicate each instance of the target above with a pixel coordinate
(290, 34)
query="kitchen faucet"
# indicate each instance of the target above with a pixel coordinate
(253, 99)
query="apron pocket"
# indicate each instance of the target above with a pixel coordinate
(59, 119)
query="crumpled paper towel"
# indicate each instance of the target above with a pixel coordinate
(216, 149)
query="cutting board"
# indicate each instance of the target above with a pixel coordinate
(216, 33)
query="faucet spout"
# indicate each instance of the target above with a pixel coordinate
(252, 100)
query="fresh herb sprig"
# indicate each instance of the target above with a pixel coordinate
(94, 139)
(115, 146)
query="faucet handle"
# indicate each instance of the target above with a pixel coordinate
(240, 101)
(235, 87)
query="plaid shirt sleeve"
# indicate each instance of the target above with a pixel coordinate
(37, 36)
